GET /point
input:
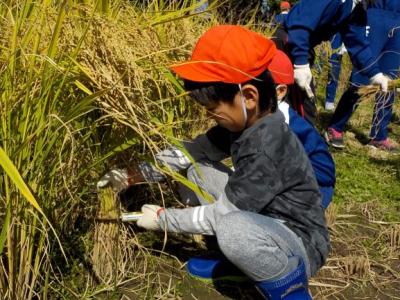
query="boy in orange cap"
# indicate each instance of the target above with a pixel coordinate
(267, 214)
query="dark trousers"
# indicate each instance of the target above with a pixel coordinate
(333, 77)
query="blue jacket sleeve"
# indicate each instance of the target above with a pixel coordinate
(303, 19)
(357, 43)
(316, 149)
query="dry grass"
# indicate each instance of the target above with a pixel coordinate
(364, 258)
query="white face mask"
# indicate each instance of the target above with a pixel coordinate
(242, 99)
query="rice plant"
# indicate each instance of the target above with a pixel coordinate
(80, 83)
(42, 132)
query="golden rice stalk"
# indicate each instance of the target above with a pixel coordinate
(331, 215)
(105, 254)
(356, 266)
(368, 92)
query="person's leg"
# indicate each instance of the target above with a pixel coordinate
(382, 115)
(265, 250)
(389, 61)
(333, 77)
(211, 176)
(280, 38)
(260, 246)
(345, 108)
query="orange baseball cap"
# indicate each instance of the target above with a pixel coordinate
(229, 54)
(285, 5)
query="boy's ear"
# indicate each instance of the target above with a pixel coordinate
(251, 96)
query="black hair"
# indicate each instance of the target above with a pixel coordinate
(205, 92)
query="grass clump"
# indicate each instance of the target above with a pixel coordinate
(79, 83)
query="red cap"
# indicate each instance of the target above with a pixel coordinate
(281, 68)
(285, 5)
(228, 53)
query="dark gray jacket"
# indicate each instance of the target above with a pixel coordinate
(273, 176)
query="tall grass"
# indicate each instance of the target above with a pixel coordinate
(80, 82)
(42, 132)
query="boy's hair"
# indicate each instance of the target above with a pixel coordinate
(206, 92)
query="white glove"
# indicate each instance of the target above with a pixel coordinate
(150, 217)
(117, 178)
(303, 77)
(342, 50)
(381, 80)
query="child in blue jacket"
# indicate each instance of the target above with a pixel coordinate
(311, 22)
(384, 35)
(316, 149)
(285, 8)
(314, 145)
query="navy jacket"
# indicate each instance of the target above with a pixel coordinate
(315, 147)
(311, 22)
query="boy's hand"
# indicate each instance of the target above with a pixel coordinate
(303, 77)
(150, 217)
(117, 178)
(381, 80)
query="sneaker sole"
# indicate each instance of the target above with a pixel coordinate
(337, 146)
(329, 142)
(234, 279)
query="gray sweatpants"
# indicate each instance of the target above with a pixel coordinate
(261, 247)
